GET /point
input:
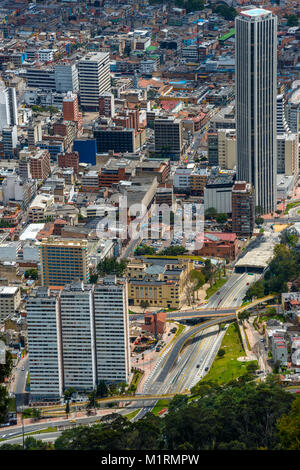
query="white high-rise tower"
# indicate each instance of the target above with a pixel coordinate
(256, 70)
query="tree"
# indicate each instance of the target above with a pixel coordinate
(67, 409)
(92, 402)
(289, 237)
(5, 369)
(94, 278)
(289, 428)
(221, 218)
(229, 13)
(198, 276)
(102, 390)
(211, 213)
(36, 413)
(31, 274)
(259, 210)
(244, 315)
(221, 352)
(208, 271)
(3, 403)
(34, 444)
(144, 250)
(292, 20)
(144, 304)
(175, 250)
(112, 266)
(259, 220)
(251, 367)
(178, 402)
(190, 286)
(256, 290)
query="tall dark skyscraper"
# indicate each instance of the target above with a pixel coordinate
(256, 73)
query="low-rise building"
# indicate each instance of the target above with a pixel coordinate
(10, 299)
(218, 245)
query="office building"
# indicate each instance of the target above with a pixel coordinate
(69, 160)
(46, 55)
(212, 145)
(256, 74)
(94, 79)
(34, 133)
(70, 108)
(38, 207)
(44, 346)
(218, 193)
(107, 105)
(78, 337)
(168, 137)
(41, 78)
(63, 261)
(8, 107)
(115, 139)
(10, 141)
(112, 330)
(293, 116)
(40, 164)
(226, 148)
(87, 149)
(288, 154)
(66, 78)
(243, 208)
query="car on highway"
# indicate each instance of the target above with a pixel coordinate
(23, 368)
(218, 293)
(197, 366)
(206, 369)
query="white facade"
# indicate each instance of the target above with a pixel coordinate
(44, 347)
(8, 107)
(13, 188)
(256, 91)
(66, 78)
(10, 140)
(9, 251)
(112, 331)
(78, 337)
(288, 154)
(182, 177)
(94, 78)
(219, 198)
(46, 55)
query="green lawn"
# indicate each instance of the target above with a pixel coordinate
(215, 287)
(132, 414)
(179, 330)
(227, 368)
(12, 404)
(290, 205)
(160, 405)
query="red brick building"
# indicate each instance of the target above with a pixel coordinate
(108, 176)
(71, 109)
(40, 164)
(155, 322)
(218, 244)
(69, 160)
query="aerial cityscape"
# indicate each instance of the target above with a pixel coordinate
(149, 226)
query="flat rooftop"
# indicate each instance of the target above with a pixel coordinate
(255, 12)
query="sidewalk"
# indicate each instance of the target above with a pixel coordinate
(151, 357)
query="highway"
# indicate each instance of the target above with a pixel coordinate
(177, 367)
(233, 292)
